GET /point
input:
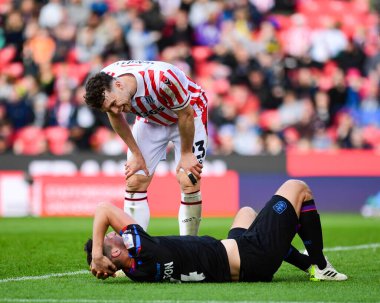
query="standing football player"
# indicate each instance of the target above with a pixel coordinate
(169, 107)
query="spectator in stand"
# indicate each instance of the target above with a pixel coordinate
(261, 89)
(244, 63)
(19, 110)
(352, 57)
(117, 46)
(64, 37)
(40, 47)
(242, 23)
(201, 10)
(297, 37)
(322, 106)
(291, 110)
(327, 42)
(84, 121)
(5, 130)
(208, 32)
(345, 126)
(177, 30)
(143, 44)
(14, 33)
(36, 98)
(77, 12)
(86, 45)
(51, 14)
(247, 140)
(63, 112)
(29, 10)
(321, 140)
(267, 37)
(338, 92)
(46, 78)
(368, 112)
(152, 17)
(273, 144)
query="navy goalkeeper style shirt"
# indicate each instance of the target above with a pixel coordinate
(175, 258)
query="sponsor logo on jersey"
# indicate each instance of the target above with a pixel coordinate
(148, 99)
(280, 207)
(168, 270)
(151, 112)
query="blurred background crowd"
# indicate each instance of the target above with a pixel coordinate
(278, 74)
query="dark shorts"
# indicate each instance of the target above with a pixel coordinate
(264, 245)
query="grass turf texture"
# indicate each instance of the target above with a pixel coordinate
(42, 246)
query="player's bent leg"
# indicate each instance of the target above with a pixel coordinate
(296, 192)
(244, 218)
(190, 210)
(136, 199)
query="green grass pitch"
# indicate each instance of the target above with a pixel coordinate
(33, 249)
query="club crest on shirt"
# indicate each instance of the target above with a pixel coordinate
(167, 81)
(280, 207)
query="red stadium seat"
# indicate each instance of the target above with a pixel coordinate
(57, 139)
(74, 71)
(201, 53)
(14, 70)
(269, 119)
(7, 54)
(100, 136)
(30, 140)
(309, 7)
(359, 6)
(371, 135)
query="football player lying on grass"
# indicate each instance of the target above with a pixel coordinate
(254, 250)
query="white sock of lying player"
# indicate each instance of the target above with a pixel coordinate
(189, 215)
(136, 205)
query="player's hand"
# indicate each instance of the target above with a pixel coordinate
(190, 165)
(134, 164)
(103, 268)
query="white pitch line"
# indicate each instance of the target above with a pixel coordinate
(71, 273)
(356, 247)
(81, 272)
(11, 300)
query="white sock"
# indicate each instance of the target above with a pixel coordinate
(189, 215)
(136, 205)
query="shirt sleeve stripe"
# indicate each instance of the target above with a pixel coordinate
(178, 81)
(181, 106)
(163, 101)
(142, 73)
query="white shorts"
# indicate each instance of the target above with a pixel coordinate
(153, 139)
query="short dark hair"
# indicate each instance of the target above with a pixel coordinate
(95, 89)
(88, 250)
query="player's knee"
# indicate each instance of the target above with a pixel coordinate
(186, 185)
(249, 211)
(103, 205)
(137, 183)
(300, 187)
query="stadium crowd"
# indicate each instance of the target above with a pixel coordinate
(305, 75)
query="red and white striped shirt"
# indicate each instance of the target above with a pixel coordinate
(162, 89)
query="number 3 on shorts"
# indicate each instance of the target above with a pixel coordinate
(199, 150)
